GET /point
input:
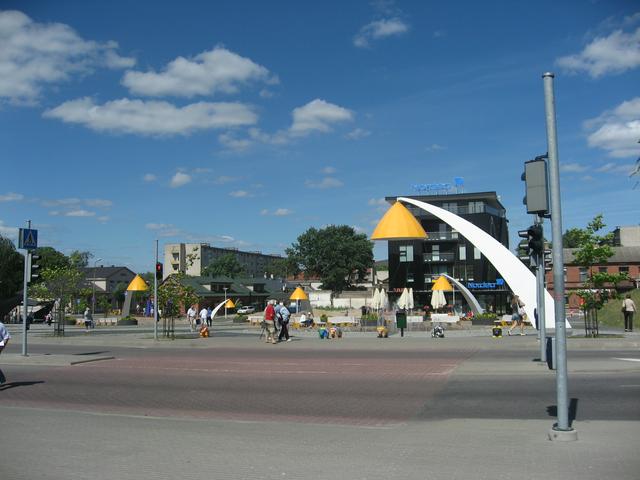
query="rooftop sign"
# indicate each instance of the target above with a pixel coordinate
(438, 188)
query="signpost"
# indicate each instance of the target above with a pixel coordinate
(27, 240)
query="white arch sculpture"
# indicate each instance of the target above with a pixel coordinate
(520, 279)
(468, 296)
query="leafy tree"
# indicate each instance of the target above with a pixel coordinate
(11, 269)
(80, 259)
(226, 265)
(173, 294)
(337, 254)
(282, 268)
(50, 258)
(594, 249)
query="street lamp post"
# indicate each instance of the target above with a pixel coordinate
(225, 302)
(93, 287)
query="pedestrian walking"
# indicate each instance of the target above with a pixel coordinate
(269, 322)
(209, 310)
(191, 318)
(518, 315)
(87, 319)
(203, 317)
(4, 341)
(628, 309)
(283, 319)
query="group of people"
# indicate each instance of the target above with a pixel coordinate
(276, 315)
(199, 319)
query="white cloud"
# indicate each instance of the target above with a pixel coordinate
(328, 170)
(317, 115)
(572, 167)
(165, 229)
(180, 179)
(103, 219)
(79, 213)
(615, 168)
(326, 182)
(434, 147)
(378, 29)
(240, 194)
(157, 226)
(210, 72)
(11, 197)
(152, 117)
(617, 131)
(230, 142)
(149, 177)
(357, 134)
(222, 179)
(616, 53)
(99, 202)
(9, 232)
(377, 201)
(264, 211)
(279, 212)
(35, 54)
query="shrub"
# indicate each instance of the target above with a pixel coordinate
(128, 320)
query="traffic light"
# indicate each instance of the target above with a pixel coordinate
(537, 192)
(536, 240)
(159, 270)
(33, 267)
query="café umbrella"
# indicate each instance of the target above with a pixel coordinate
(297, 295)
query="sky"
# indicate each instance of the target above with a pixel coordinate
(244, 123)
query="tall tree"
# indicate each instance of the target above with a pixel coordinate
(226, 265)
(337, 254)
(51, 258)
(80, 259)
(11, 269)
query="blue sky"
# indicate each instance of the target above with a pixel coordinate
(243, 123)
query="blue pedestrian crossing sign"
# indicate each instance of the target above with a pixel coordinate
(28, 239)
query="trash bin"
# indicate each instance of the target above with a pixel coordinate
(551, 352)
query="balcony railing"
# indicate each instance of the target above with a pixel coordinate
(439, 257)
(438, 236)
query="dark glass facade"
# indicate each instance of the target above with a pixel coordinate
(417, 264)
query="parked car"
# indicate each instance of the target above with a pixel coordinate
(246, 310)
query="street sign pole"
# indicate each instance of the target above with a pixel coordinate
(562, 430)
(155, 299)
(540, 271)
(27, 268)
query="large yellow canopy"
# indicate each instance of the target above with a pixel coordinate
(137, 284)
(229, 304)
(298, 294)
(398, 224)
(442, 284)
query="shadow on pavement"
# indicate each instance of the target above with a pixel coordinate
(7, 386)
(92, 353)
(552, 410)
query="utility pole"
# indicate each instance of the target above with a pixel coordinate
(561, 431)
(155, 298)
(25, 297)
(540, 271)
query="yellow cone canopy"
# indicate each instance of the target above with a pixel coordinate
(398, 224)
(137, 284)
(229, 304)
(298, 294)
(442, 284)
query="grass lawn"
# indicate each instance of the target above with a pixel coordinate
(611, 316)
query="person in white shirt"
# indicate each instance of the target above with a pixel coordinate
(628, 309)
(203, 316)
(4, 336)
(191, 316)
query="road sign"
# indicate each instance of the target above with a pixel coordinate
(28, 239)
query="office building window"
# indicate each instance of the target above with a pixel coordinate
(462, 252)
(476, 207)
(602, 269)
(409, 277)
(476, 254)
(406, 253)
(584, 274)
(623, 270)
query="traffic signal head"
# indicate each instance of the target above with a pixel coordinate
(535, 177)
(33, 267)
(536, 240)
(159, 270)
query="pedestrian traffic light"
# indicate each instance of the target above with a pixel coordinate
(536, 240)
(524, 245)
(535, 177)
(159, 270)
(33, 267)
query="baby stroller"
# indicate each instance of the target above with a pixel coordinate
(438, 331)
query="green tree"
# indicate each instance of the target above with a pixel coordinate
(600, 287)
(50, 258)
(11, 269)
(226, 265)
(172, 295)
(282, 267)
(337, 254)
(80, 259)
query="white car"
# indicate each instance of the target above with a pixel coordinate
(246, 310)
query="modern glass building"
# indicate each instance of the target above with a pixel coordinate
(417, 264)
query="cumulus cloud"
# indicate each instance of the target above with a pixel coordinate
(36, 54)
(208, 73)
(279, 212)
(231, 142)
(379, 29)
(617, 131)
(180, 179)
(152, 117)
(79, 213)
(149, 177)
(326, 182)
(318, 115)
(11, 197)
(9, 232)
(240, 194)
(572, 167)
(357, 134)
(73, 202)
(613, 54)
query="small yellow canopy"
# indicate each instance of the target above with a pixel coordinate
(229, 304)
(442, 284)
(137, 284)
(298, 294)
(398, 224)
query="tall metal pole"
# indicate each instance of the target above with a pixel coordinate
(562, 430)
(155, 297)
(542, 332)
(225, 303)
(27, 268)
(93, 288)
